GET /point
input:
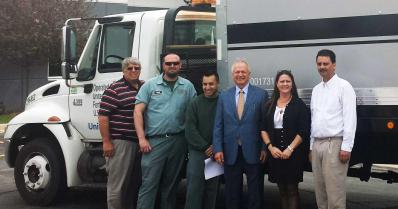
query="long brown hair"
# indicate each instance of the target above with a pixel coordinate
(276, 93)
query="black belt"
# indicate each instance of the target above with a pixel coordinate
(167, 135)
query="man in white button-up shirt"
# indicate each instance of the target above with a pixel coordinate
(333, 114)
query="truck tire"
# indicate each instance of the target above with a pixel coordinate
(40, 172)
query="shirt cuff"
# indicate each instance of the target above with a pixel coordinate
(346, 147)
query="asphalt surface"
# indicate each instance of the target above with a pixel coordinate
(375, 194)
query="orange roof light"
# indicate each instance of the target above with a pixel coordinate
(196, 2)
(390, 124)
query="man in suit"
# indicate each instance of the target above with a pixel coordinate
(236, 138)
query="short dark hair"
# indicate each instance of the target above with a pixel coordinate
(327, 53)
(170, 53)
(210, 73)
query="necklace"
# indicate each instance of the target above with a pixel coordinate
(282, 103)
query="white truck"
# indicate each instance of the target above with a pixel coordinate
(283, 34)
(55, 143)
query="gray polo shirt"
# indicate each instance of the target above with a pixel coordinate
(165, 108)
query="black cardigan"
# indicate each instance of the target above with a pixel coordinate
(296, 120)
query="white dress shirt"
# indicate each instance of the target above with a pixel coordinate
(333, 111)
(278, 117)
(245, 90)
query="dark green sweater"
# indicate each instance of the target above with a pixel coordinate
(199, 122)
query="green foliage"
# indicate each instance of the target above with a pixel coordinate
(7, 117)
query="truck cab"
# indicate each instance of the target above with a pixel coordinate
(55, 143)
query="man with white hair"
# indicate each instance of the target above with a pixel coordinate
(236, 138)
(119, 139)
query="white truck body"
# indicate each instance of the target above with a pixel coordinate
(55, 143)
(279, 35)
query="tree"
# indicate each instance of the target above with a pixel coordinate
(31, 36)
(31, 29)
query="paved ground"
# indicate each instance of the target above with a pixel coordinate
(375, 194)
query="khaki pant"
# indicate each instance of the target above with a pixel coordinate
(124, 175)
(329, 173)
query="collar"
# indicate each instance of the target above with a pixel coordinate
(160, 81)
(128, 83)
(215, 96)
(245, 89)
(331, 81)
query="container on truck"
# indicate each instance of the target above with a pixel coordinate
(286, 35)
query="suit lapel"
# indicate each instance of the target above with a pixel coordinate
(232, 101)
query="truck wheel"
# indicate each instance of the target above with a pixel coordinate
(40, 172)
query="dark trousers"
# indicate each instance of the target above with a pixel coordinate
(233, 175)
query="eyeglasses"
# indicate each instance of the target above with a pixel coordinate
(134, 68)
(171, 63)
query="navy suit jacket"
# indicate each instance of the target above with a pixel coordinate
(228, 128)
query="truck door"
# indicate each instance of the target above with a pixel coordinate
(99, 66)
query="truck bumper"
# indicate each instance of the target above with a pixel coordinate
(6, 151)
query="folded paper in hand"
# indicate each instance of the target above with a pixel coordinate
(212, 169)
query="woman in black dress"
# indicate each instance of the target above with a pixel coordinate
(285, 132)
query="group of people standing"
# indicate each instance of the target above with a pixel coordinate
(148, 129)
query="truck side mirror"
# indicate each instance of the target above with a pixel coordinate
(68, 53)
